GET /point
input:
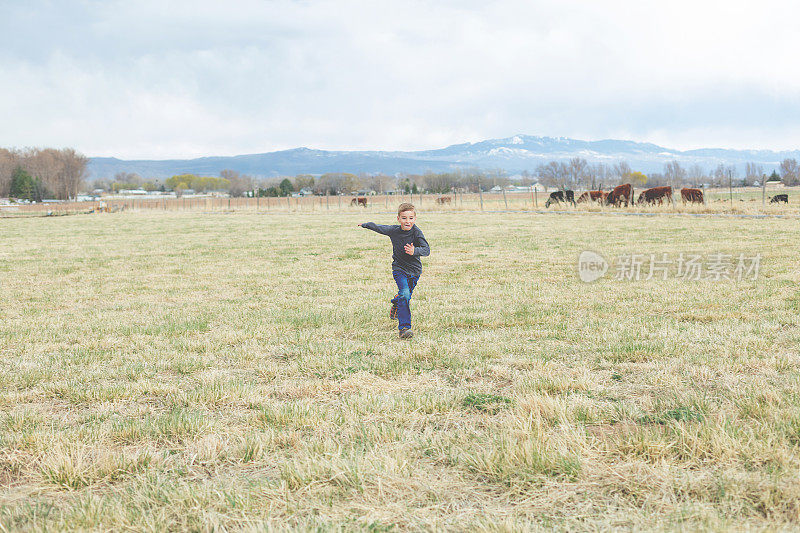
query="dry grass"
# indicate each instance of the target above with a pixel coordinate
(238, 372)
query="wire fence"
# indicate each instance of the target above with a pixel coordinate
(743, 200)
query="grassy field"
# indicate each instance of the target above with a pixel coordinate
(239, 372)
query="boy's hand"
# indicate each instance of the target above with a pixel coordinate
(409, 249)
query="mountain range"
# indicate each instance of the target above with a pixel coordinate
(513, 154)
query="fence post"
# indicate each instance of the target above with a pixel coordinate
(504, 198)
(480, 194)
(730, 186)
(327, 200)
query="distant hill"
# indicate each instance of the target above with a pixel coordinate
(513, 154)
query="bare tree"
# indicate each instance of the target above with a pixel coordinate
(656, 179)
(553, 174)
(621, 172)
(302, 181)
(724, 175)
(790, 172)
(45, 166)
(383, 183)
(72, 174)
(238, 183)
(674, 174)
(440, 183)
(576, 171)
(597, 175)
(337, 183)
(130, 178)
(696, 175)
(753, 173)
(8, 162)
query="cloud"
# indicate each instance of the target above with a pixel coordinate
(181, 79)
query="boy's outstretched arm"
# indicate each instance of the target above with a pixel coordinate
(422, 248)
(378, 228)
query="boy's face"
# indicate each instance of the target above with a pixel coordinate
(407, 220)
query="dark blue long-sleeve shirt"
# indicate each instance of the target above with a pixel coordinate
(410, 264)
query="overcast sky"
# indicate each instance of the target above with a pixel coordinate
(163, 79)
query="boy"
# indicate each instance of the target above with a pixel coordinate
(408, 245)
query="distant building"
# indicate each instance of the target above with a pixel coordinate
(527, 188)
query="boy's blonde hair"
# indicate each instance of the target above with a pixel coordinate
(405, 206)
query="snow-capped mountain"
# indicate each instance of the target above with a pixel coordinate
(512, 154)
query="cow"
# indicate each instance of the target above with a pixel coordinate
(557, 197)
(361, 200)
(693, 196)
(620, 193)
(778, 198)
(594, 196)
(443, 200)
(655, 194)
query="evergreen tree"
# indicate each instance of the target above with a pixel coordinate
(23, 186)
(286, 187)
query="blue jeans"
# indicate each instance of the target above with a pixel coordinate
(405, 286)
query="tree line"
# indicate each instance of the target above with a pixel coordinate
(575, 173)
(39, 173)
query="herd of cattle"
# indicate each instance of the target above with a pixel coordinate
(623, 195)
(618, 196)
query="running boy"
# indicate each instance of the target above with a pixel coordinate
(408, 245)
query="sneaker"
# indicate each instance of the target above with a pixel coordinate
(393, 312)
(406, 333)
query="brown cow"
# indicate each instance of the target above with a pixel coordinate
(655, 194)
(594, 196)
(693, 196)
(443, 200)
(620, 193)
(361, 200)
